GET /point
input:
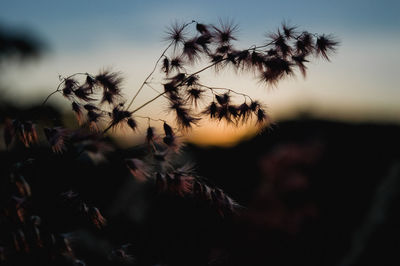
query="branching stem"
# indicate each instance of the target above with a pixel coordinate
(48, 96)
(59, 85)
(226, 89)
(154, 69)
(150, 74)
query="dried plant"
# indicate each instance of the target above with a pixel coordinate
(99, 106)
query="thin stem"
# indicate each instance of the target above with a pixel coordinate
(151, 73)
(161, 94)
(203, 69)
(59, 84)
(261, 46)
(156, 90)
(146, 117)
(227, 89)
(137, 109)
(107, 128)
(48, 97)
(146, 103)
(149, 118)
(154, 68)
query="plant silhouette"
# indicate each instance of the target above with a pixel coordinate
(70, 196)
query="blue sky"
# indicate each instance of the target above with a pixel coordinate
(361, 82)
(71, 24)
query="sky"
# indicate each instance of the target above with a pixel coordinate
(361, 83)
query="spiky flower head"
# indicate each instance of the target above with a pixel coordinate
(325, 45)
(226, 31)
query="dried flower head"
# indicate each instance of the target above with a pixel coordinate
(150, 135)
(176, 64)
(204, 41)
(280, 43)
(254, 105)
(226, 31)
(244, 112)
(191, 80)
(90, 82)
(90, 107)
(183, 117)
(211, 110)
(176, 182)
(83, 93)
(176, 34)
(69, 85)
(93, 118)
(170, 88)
(202, 29)
(194, 95)
(223, 99)
(23, 187)
(304, 44)
(77, 109)
(110, 82)
(138, 169)
(168, 129)
(178, 78)
(191, 50)
(257, 60)
(56, 137)
(288, 31)
(97, 218)
(325, 45)
(170, 139)
(261, 116)
(299, 61)
(165, 65)
(223, 49)
(26, 131)
(276, 69)
(132, 123)
(119, 115)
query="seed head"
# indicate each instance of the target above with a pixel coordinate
(226, 31)
(326, 45)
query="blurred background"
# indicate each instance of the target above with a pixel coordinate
(319, 186)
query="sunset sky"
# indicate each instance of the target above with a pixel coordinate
(360, 83)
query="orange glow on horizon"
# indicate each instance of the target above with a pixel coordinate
(205, 134)
(213, 134)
